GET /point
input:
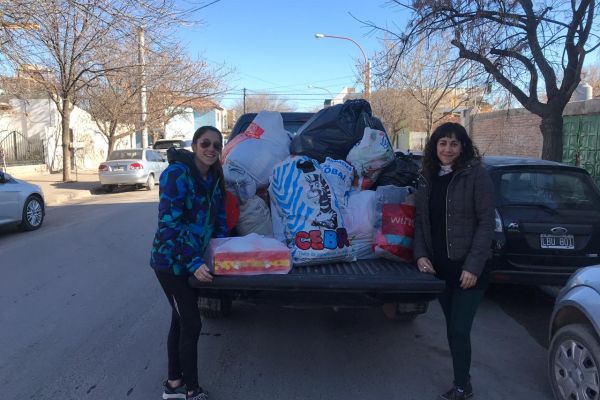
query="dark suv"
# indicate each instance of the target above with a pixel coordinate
(547, 220)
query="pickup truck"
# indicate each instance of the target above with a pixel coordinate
(397, 287)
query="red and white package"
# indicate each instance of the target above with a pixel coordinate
(248, 255)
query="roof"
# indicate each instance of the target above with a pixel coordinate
(201, 104)
(509, 161)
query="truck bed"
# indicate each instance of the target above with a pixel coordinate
(381, 280)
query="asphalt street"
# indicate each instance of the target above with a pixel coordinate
(82, 317)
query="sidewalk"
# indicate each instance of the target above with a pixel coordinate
(56, 191)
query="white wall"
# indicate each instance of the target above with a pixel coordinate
(39, 118)
(181, 125)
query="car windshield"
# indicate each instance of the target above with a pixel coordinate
(553, 189)
(125, 155)
(166, 144)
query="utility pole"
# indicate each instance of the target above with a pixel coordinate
(143, 100)
(244, 100)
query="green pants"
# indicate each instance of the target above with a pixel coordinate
(459, 308)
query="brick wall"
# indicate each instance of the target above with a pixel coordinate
(513, 132)
(517, 131)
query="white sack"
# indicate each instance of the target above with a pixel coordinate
(262, 145)
(255, 217)
(339, 174)
(239, 182)
(314, 226)
(360, 217)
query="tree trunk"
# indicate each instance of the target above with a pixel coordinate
(66, 139)
(552, 127)
(111, 145)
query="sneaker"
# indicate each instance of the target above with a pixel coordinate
(173, 393)
(457, 393)
(197, 394)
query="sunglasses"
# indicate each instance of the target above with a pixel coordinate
(205, 144)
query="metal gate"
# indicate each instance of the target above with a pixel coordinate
(581, 142)
(16, 149)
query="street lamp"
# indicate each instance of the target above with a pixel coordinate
(367, 70)
(322, 88)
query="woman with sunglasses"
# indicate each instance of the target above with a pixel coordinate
(191, 211)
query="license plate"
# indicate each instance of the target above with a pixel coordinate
(557, 241)
(118, 168)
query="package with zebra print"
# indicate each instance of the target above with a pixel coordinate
(313, 226)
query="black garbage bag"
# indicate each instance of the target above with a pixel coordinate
(334, 130)
(404, 171)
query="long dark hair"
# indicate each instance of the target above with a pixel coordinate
(216, 168)
(469, 152)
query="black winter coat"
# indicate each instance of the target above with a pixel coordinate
(469, 218)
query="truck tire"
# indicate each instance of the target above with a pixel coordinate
(404, 312)
(214, 308)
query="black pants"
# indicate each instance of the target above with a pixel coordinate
(182, 345)
(459, 308)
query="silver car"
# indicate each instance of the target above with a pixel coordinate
(138, 167)
(574, 353)
(21, 203)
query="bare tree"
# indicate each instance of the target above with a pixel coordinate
(525, 46)
(256, 102)
(174, 81)
(434, 78)
(396, 109)
(59, 52)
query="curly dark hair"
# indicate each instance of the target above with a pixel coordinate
(469, 152)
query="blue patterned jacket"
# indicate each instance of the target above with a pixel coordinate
(191, 211)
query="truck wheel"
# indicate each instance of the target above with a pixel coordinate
(404, 312)
(214, 308)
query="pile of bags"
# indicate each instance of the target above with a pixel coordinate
(333, 192)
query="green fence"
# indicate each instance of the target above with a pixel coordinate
(581, 142)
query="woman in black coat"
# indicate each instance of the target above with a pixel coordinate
(453, 235)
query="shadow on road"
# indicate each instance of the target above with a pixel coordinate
(527, 305)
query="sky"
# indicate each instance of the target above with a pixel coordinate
(271, 46)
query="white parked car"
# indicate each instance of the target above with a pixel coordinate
(21, 203)
(137, 167)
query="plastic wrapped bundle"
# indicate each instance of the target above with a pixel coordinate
(255, 217)
(334, 130)
(248, 255)
(238, 182)
(312, 222)
(262, 145)
(340, 175)
(395, 227)
(370, 156)
(360, 219)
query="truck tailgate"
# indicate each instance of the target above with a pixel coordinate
(377, 275)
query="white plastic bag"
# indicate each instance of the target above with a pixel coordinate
(360, 217)
(340, 175)
(313, 224)
(370, 156)
(262, 145)
(395, 226)
(255, 217)
(238, 182)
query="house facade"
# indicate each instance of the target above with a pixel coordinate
(194, 114)
(31, 134)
